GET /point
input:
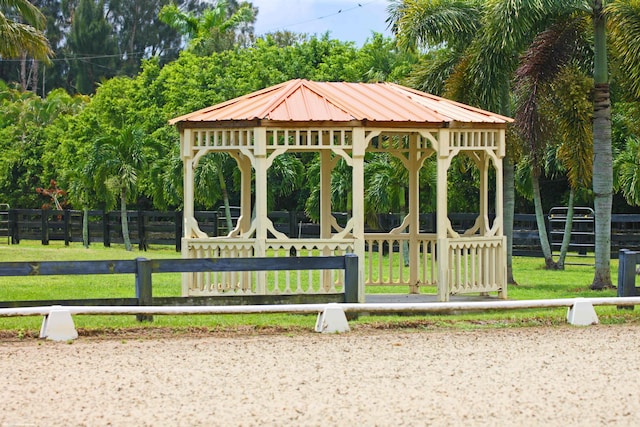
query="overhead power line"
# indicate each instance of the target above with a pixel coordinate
(340, 11)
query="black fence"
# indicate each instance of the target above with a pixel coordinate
(165, 228)
(143, 270)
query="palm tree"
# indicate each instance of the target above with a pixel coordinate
(16, 38)
(115, 163)
(542, 78)
(464, 60)
(211, 183)
(508, 27)
(223, 18)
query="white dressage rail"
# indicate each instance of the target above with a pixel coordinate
(424, 307)
(331, 316)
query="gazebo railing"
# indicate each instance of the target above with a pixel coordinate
(476, 264)
(387, 258)
(264, 282)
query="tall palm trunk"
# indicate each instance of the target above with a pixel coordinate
(123, 220)
(85, 227)
(509, 203)
(568, 227)
(602, 155)
(542, 226)
(225, 197)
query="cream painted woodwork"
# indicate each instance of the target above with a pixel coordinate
(455, 263)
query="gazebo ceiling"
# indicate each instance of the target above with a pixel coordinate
(337, 102)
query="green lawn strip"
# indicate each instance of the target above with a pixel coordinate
(534, 282)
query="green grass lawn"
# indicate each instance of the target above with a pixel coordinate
(534, 282)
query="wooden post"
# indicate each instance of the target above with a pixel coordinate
(144, 292)
(178, 230)
(351, 287)
(106, 229)
(13, 227)
(293, 226)
(414, 215)
(142, 232)
(67, 228)
(44, 224)
(626, 275)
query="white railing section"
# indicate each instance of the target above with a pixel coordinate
(265, 282)
(309, 138)
(223, 138)
(476, 264)
(215, 282)
(387, 255)
(474, 139)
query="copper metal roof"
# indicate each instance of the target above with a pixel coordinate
(307, 101)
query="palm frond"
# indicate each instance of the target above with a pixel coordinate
(420, 23)
(623, 18)
(17, 38)
(571, 107)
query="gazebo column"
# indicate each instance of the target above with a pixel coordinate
(484, 194)
(500, 209)
(244, 164)
(357, 155)
(260, 165)
(414, 215)
(187, 157)
(326, 165)
(442, 216)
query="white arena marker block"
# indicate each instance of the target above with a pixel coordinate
(332, 320)
(581, 313)
(58, 325)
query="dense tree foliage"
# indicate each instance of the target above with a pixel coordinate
(148, 100)
(123, 34)
(141, 82)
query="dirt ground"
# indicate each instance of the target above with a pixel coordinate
(555, 376)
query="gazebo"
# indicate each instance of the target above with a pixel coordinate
(345, 121)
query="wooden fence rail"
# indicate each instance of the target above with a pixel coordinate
(143, 269)
(165, 228)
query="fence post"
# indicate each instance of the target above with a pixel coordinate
(626, 275)
(178, 231)
(106, 229)
(351, 278)
(144, 291)
(293, 228)
(67, 228)
(44, 224)
(13, 227)
(142, 231)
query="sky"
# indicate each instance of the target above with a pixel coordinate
(346, 20)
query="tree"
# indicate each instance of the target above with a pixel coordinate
(92, 44)
(25, 120)
(213, 29)
(139, 33)
(552, 108)
(116, 162)
(466, 59)
(17, 38)
(509, 27)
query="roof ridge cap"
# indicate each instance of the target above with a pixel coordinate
(333, 100)
(290, 86)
